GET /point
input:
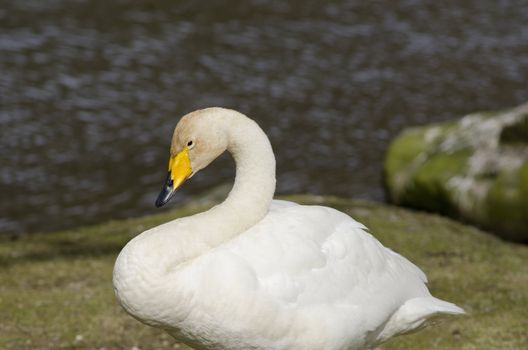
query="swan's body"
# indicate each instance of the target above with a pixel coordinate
(252, 273)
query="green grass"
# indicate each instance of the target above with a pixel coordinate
(56, 289)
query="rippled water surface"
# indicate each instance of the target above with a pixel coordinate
(91, 90)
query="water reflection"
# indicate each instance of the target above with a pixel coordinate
(90, 91)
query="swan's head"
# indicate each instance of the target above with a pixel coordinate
(198, 139)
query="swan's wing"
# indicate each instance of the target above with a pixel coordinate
(306, 269)
(314, 254)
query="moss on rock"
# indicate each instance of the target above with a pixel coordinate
(428, 182)
(56, 289)
(402, 153)
(504, 200)
(471, 169)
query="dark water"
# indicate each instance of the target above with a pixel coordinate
(90, 91)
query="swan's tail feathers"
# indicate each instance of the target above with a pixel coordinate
(418, 313)
(444, 307)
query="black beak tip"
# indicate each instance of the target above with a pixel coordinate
(166, 193)
(159, 203)
(163, 198)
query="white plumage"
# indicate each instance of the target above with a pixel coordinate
(253, 273)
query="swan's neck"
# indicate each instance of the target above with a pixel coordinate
(251, 195)
(142, 273)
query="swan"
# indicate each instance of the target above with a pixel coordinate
(258, 273)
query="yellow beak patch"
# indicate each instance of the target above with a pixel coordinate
(180, 168)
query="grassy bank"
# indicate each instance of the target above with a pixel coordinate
(56, 289)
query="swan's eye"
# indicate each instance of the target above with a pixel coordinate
(190, 143)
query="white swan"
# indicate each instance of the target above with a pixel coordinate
(256, 273)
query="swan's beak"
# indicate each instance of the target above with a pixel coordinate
(179, 170)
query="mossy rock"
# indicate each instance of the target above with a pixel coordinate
(56, 289)
(474, 169)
